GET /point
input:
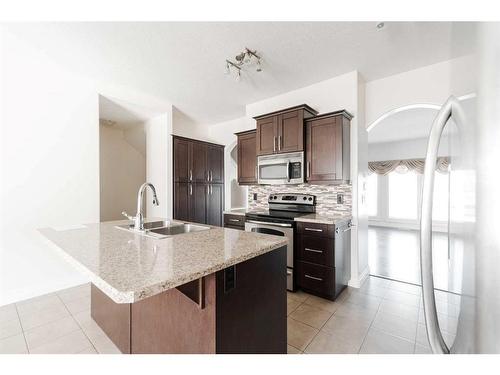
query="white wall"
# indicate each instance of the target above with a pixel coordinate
(428, 85)
(49, 171)
(159, 165)
(122, 170)
(49, 167)
(235, 196)
(404, 149)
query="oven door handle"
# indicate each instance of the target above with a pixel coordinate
(272, 224)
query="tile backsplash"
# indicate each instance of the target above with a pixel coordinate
(326, 196)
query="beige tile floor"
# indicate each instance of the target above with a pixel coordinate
(381, 317)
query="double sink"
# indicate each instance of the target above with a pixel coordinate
(164, 228)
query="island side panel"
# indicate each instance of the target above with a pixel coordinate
(112, 317)
(171, 322)
(251, 318)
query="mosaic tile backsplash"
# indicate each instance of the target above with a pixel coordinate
(326, 196)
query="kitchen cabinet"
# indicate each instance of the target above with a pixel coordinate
(282, 131)
(234, 221)
(247, 157)
(215, 203)
(198, 181)
(215, 164)
(323, 258)
(328, 148)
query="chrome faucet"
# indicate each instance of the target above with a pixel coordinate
(139, 216)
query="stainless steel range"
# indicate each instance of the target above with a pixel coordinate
(279, 221)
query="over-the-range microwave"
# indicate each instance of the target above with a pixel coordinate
(281, 169)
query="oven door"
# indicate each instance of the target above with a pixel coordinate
(277, 229)
(280, 169)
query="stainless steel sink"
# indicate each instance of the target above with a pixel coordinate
(179, 229)
(164, 228)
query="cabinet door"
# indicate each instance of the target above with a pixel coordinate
(215, 203)
(215, 164)
(198, 162)
(181, 160)
(291, 132)
(324, 150)
(182, 192)
(267, 134)
(198, 203)
(247, 158)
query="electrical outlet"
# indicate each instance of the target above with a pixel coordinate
(340, 198)
(254, 196)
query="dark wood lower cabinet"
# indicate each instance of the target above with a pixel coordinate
(322, 258)
(244, 312)
(215, 204)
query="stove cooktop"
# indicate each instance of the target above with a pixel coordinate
(275, 214)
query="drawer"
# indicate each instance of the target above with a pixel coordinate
(315, 278)
(233, 227)
(316, 229)
(234, 220)
(315, 249)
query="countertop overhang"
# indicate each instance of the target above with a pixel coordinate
(129, 267)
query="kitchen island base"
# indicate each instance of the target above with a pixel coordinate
(241, 309)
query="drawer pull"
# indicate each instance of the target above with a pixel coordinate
(234, 220)
(313, 250)
(313, 278)
(313, 229)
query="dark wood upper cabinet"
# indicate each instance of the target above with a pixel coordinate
(267, 134)
(282, 131)
(215, 164)
(199, 162)
(328, 148)
(291, 131)
(247, 157)
(182, 149)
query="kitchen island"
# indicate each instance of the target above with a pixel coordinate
(212, 291)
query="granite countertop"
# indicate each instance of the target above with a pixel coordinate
(334, 219)
(236, 211)
(129, 267)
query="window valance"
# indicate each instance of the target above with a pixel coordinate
(404, 166)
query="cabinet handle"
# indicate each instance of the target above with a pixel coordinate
(209, 175)
(256, 172)
(274, 144)
(279, 142)
(234, 220)
(210, 189)
(190, 189)
(313, 278)
(190, 175)
(308, 169)
(313, 230)
(313, 250)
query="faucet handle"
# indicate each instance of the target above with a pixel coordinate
(128, 216)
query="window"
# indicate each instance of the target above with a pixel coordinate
(403, 195)
(371, 194)
(440, 197)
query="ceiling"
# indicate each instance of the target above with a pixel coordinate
(125, 115)
(185, 62)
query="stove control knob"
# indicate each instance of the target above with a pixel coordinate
(310, 198)
(305, 198)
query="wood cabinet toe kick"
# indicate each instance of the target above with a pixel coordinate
(241, 309)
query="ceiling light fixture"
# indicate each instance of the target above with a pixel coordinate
(243, 59)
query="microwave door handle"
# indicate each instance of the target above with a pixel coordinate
(288, 171)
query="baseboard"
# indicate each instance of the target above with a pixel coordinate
(358, 281)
